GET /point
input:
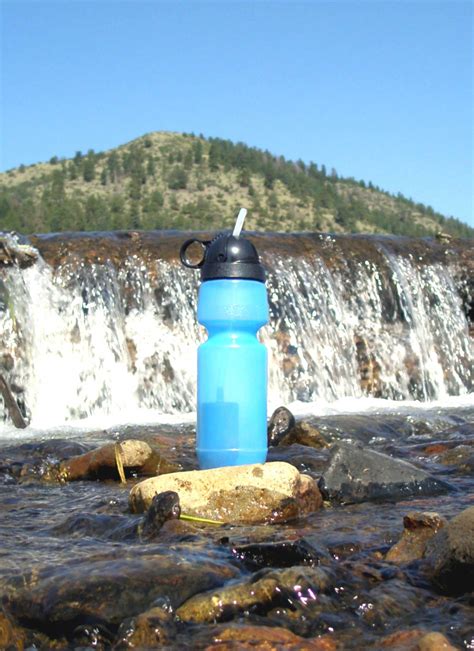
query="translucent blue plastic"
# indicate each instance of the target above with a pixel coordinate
(232, 374)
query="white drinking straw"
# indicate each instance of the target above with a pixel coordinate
(240, 222)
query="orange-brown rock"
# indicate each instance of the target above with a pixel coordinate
(152, 629)
(11, 636)
(416, 640)
(267, 638)
(136, 456)
(418, 529)
(305, 434)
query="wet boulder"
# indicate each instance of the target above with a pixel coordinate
(134, 456)
(418, 529)
(450, 554)
(305, 434)
(258, 594)
(271, 492)
(280, 423)
(461, 457)
(284, 553)
(284, 430)
(106, 591)
(357, 474)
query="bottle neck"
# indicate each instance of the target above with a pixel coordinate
(237, 334)
(235, 305)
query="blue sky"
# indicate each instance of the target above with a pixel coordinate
(379, 90)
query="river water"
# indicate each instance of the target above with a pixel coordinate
(369, 341)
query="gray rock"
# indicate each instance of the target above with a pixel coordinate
(357, 474)
(451, 554)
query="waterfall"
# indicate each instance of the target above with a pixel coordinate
(86, 335)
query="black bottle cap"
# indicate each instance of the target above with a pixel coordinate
(225, 256)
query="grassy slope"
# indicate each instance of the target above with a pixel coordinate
(134, 186)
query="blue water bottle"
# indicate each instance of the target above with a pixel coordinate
(232, 363)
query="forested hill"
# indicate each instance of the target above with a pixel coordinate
(182, 181)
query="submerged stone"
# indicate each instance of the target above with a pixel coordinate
(164, 507)
(271, 492)
(106, 591)
(461, 456)
(152, 629)
(415, 640)
(278, 554)
(266, 638)
(357, 474)
(259, 594)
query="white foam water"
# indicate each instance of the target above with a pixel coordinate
(95, 343)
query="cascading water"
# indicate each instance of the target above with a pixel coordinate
(114, 334)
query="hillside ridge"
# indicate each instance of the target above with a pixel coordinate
(168, 180)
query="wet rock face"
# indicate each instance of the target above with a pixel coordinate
(357, 474)
(271, 492)
(14, 251)
(451, 554)
(369, 368)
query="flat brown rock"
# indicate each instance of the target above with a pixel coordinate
(270, 492)
(134, 454)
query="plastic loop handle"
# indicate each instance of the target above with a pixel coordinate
(185, 260)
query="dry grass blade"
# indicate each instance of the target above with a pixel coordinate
(195, 518)
(119, 463)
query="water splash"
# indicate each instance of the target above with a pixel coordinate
(88, 339)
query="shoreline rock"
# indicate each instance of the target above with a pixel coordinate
(270, 492)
